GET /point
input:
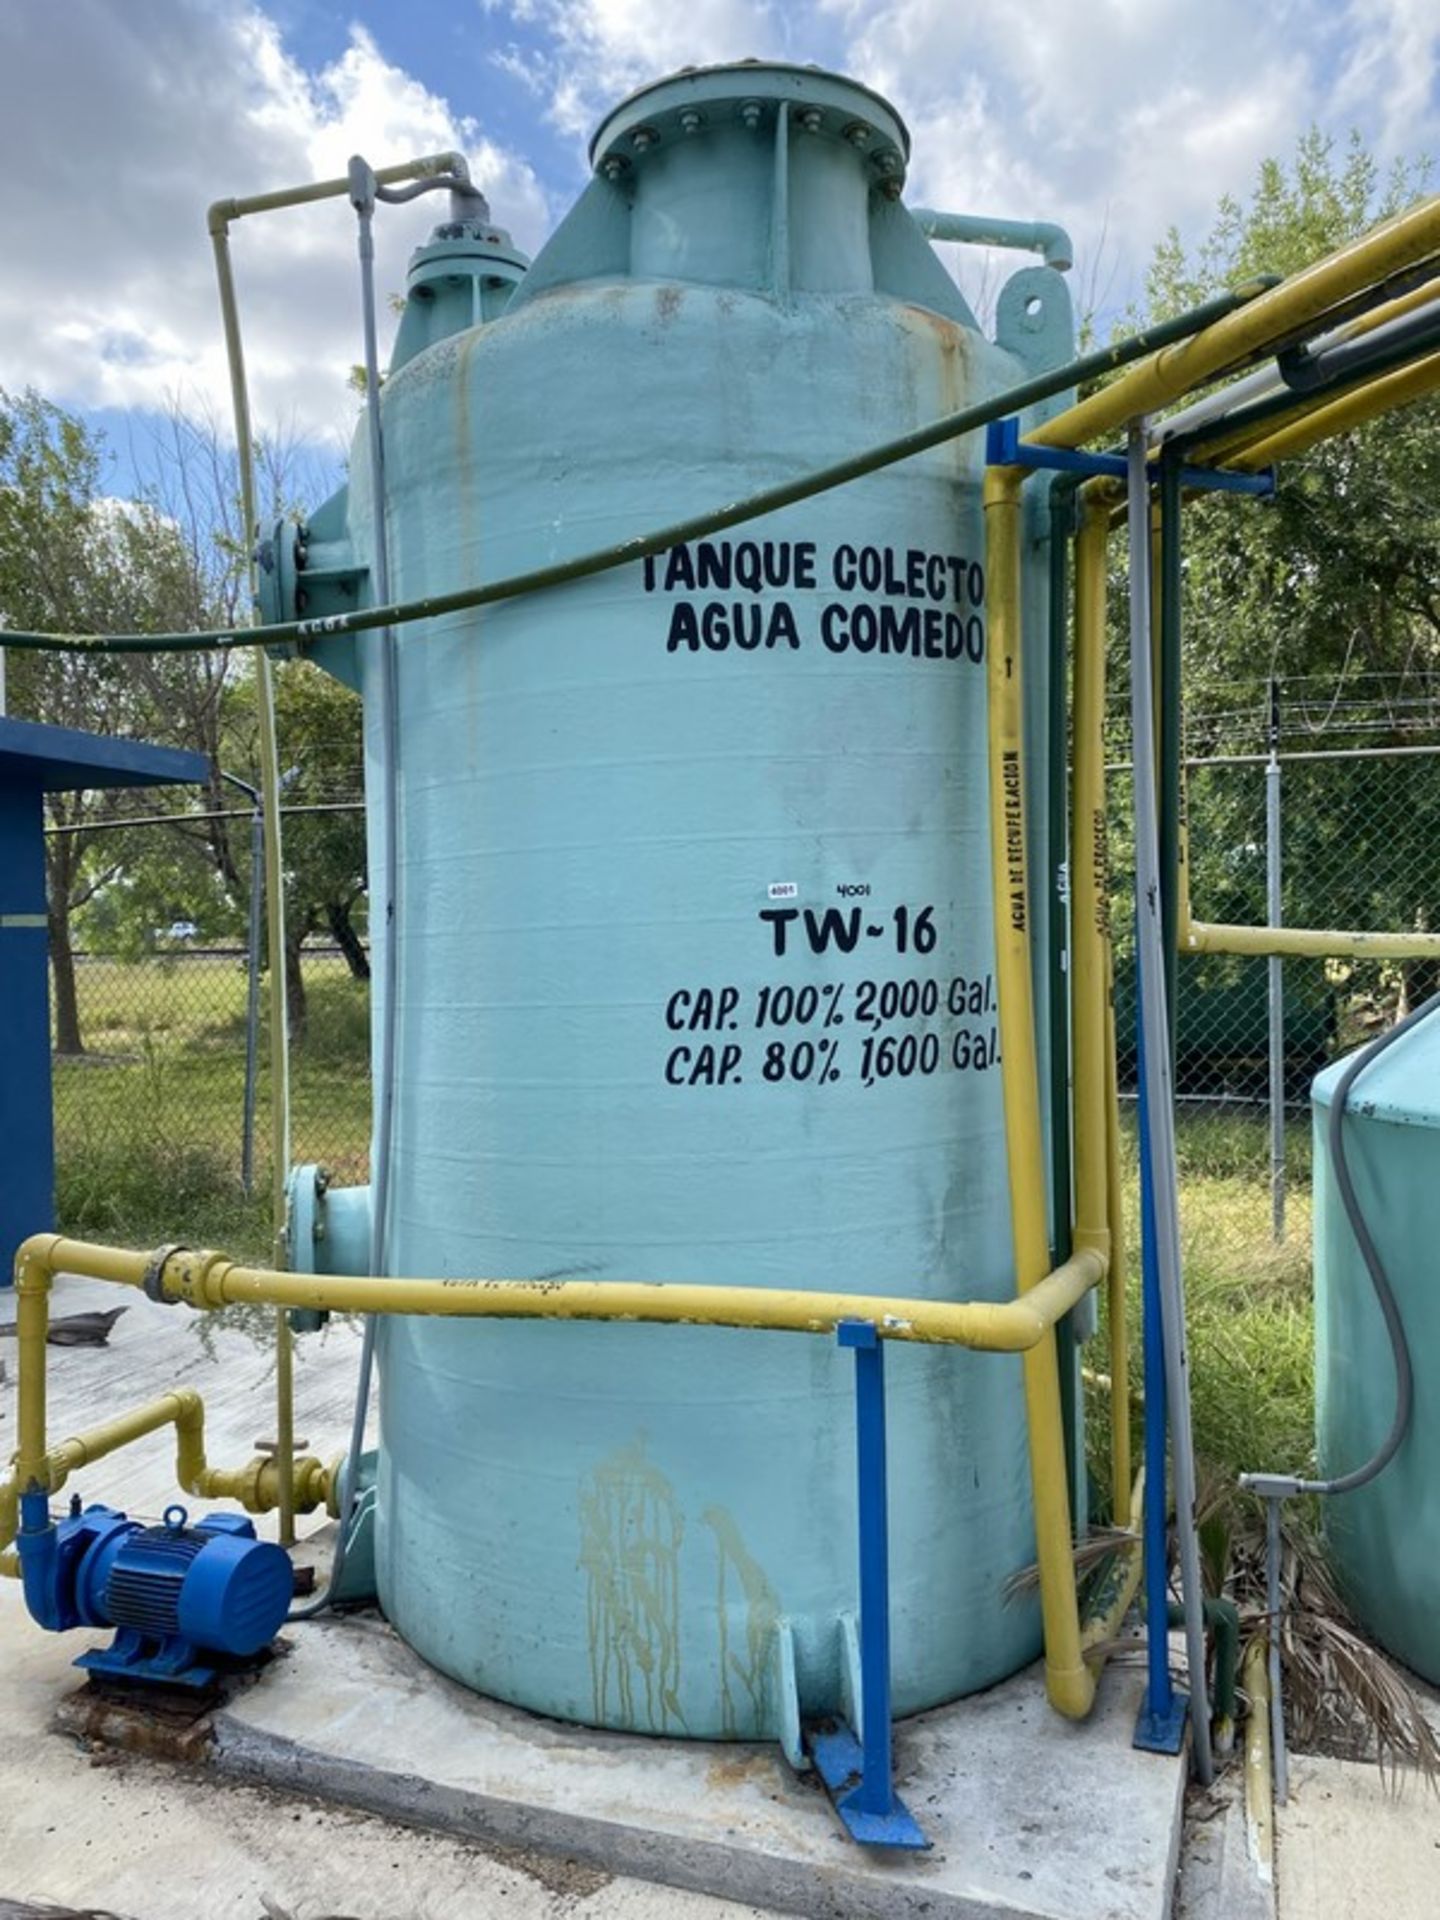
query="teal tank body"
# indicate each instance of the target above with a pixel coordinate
(1383, 1539)
(695, 956)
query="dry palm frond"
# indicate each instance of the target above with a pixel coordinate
(1338, 1685)
(1342, 1695)
(26, 1910)
(1097, 1546)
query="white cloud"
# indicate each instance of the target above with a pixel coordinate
(111, 159)
(1119, 119)
(600, 50)
(1391, 66)
(123, 121)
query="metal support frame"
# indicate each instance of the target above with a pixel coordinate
(858, 1769)
(1005, 448)
(1157, 1133)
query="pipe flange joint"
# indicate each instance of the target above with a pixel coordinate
(153, 1279)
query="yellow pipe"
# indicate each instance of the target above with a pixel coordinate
(208, 1280)
(1281, 312)
(1288, 438)
(1097, 1144)
(40, 1468)
(1069, 1683)
(34, 1266)
(223, 212)
(1203, 936)
(1426, 294)
(1116, 1303)
(1227, 445)
(1089, 882)
(1259, 1796)
(1102, 1625)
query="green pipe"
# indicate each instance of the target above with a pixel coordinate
(1171, 588)
(1191, 446)
(1089, 367)
(1222, 1617)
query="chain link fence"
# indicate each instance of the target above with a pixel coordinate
(162, 1080)
(162, 1115)
(1352, 836)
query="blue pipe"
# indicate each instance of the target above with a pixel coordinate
(1161, 1725)
(38, 1544)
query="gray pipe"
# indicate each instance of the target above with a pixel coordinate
(252, 961)
(362, 198)
(1159, 1101)
(252, 998)
(1279, 1486)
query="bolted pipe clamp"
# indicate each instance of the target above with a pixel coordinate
(153, 1279)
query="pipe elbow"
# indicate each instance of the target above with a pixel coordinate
(1029, 1327)
(1054, 245)
(35, 1262)
(190, 1468)
(1070, 1690)
(1093, 1243)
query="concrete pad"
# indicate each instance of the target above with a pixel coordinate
(144, 1839)
(1350, 1845)
(1029, 1815)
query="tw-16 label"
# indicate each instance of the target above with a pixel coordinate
(873, 1030)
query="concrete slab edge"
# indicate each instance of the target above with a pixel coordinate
(1177, 1831)
(732, 1873)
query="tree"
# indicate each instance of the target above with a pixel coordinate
(1330, 588)
(174, 556)
(72, 557)
(319, 724)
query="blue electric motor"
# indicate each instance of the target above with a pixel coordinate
(180, 1595)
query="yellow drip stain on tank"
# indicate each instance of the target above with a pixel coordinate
(631, 1528)
(750, 1718)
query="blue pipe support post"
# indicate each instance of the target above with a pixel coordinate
(1160, 1727)
(858, 1772)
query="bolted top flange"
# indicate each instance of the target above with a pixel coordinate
(748, 95)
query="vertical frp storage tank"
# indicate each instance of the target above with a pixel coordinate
(695, 961)
(1383, 1539)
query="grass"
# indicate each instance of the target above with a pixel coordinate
(1248, 1298)
(149, 1121)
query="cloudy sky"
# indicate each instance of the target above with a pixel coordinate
(120, 120)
